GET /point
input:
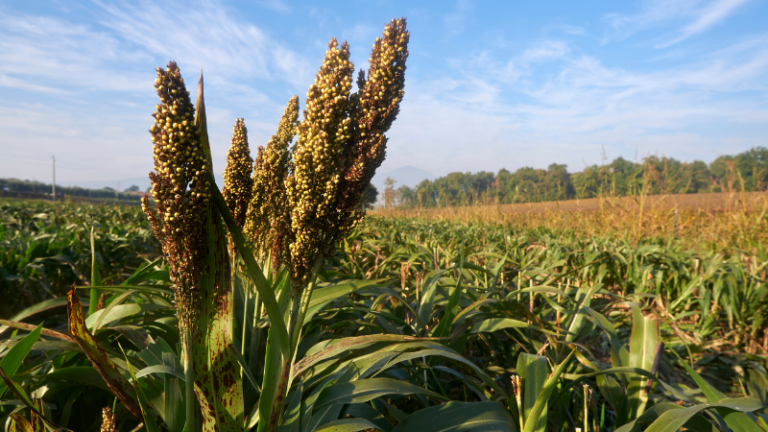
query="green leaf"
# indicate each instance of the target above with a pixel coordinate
(671, 421)
(109, 315)
(160, 369)
(273, 367)
(18, 353)
(329, 349)
(95, 276)
(247, 371)
(738, 421)
(16, 389)
(543, 398)
(94, 324)
(367, 412)
(697, 423)
(81, 374)
(533, 371)
(292, 417)
(173, 414)
(145, 272)
(495, 324)
(119, 386)
(369, 389)
(348, 425)
(426, 308)
(12, 360)
(24, 398)
(459, 417)
(642, 350)
(39, 307)
(584, 299)
(443, 328)
(321, 297)
(150, 421)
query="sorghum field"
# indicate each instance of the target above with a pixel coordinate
(276, 304)
(499, 310)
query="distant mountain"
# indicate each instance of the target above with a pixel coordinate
(406, 175)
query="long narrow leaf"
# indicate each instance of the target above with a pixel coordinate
(119, 386)
(459, 417)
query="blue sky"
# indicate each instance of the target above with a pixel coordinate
(490, 84)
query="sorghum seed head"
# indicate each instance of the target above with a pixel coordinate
(238, 184)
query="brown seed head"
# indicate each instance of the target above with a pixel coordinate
(267, 221)
(179, 185)
(108, 420)
(238, 184)
(318, 161)
(377, 105)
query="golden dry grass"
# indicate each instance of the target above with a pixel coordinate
(719, 220)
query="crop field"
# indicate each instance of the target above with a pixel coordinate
(276, 304)
(721, 221)
(508, 304)
(712, 202)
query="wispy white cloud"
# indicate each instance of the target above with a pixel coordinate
(570, 29)
(17, 83)
(501, 102)
(653, 11)
(456, 20)
(700, 15)
(207, 35)
(102, 68)
(49, 55)
(708, 16)
(564, 106)
(276, 5)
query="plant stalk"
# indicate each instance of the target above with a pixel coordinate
(298, 312)
(95, 293)
(254, 271)
(189, 383)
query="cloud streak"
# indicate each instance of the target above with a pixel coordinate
(708, 16)
(80, 85)
(700, 16)
(550, 103)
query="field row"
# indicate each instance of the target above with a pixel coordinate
(506, 303)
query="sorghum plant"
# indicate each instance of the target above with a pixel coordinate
(193, 239)
(340, 144)
(298, 205)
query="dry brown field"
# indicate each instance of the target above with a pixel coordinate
(716, 220)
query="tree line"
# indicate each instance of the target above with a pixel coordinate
(747, 171)
(36, 187)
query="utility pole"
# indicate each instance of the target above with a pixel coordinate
(117, 192)
(53, 186)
